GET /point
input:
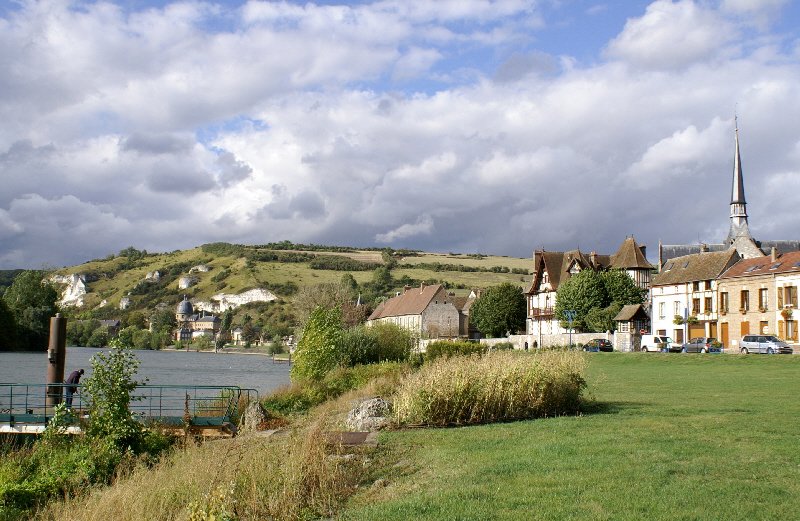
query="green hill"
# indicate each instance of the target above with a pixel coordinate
(279, 267)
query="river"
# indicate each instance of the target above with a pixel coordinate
(160, 368)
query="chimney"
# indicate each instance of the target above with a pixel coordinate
(774, 254)
(593, 258)
(704, 248)
(421, 287)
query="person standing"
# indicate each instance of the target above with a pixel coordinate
(74, 378)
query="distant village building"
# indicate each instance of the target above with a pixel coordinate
(428, 311)
(192, 325)
(551, 268)
(739, 237)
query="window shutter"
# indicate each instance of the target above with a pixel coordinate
(781, 329)
(780, 298)
(794, 296)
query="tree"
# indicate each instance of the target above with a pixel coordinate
(318, 350)
(163, 321)
(596, 298)
(326, 296)
(499, 310)
(8, 328)
(109, 390)
(622, 289)
(580, 293)
(32, 301)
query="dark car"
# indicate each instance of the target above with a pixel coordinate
(598, 344)
(701, 344)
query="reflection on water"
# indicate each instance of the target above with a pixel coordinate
(160, 367)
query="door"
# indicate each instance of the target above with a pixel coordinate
(745, 328)
(697, 330)
(723, 334)
(713, 330)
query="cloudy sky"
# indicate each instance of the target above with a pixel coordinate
(494, 126)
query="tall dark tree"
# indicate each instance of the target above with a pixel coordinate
(499, 310)
(8, 328)
(32, 301)
(596, 297)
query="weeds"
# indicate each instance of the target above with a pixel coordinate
(498, 386)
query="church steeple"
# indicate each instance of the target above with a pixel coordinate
(739, 226)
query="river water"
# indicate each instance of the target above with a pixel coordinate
(160, 368)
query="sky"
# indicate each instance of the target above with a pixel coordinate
(471, 126)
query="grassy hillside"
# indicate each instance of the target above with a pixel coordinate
(281, 268)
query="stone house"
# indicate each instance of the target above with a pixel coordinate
(631, 321)
(686, 287)
(759, 296)
(552, 268)
(428, 311)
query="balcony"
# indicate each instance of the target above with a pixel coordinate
(541, 312)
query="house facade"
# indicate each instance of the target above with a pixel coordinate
(427, 311)
(686, 290)
(550, 269)
(759, 296)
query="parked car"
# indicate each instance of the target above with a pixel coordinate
(598, 344)
(766, 344)
(655, 343)
(702, 344)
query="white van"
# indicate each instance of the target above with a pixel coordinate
(655, 343)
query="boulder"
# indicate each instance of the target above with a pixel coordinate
(254, 416)
(371, 414)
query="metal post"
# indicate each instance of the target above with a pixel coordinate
(56, 358)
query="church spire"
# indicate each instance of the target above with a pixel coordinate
(739, 227)
(737, 192)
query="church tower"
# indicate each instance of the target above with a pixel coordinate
(739, 227)
(739, 234)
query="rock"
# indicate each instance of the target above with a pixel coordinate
(153, 276)
(222, 302)
(186, 282)
(74, 290)
(200, 268)
(253, 417)
(124, 302)
(370, 415)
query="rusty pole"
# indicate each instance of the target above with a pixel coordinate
(56, 358)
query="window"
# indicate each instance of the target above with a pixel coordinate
(695, 306)
(696, 285)
(708, 285)
(763, 327)
(744, 300)
(763, 297)
(724, 302)
(678, 335)
(791, 295)
(677, 308)
(662, 332)
(708, 306)
(661, 306)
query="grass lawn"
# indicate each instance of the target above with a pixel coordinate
(700, 437)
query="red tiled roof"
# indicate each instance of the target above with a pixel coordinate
(785, 263)
(412, 302)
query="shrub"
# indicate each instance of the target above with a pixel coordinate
(373, 344)
(395, 343)
(448, 348)
(499, 386)
(317, 351)
(502, 346)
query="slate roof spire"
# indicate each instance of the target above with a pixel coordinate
(737, 190)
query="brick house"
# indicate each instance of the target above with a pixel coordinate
(759, 296)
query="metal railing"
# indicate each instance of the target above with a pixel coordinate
(192, 405)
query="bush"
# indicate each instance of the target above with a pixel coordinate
(502, 346)
(448, 348)
(496, 387)
(317, 351)
(300, 397)
(381, 342)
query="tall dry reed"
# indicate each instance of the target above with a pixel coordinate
(498, 386)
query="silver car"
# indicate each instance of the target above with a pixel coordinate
(767, 344)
